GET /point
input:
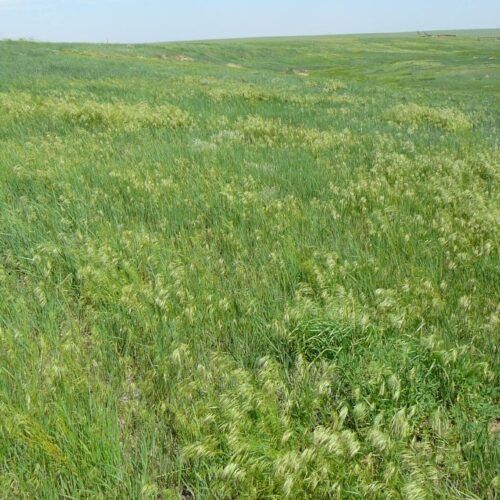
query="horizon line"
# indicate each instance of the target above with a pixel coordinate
(258, 37)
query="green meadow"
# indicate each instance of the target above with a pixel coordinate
(250, 269)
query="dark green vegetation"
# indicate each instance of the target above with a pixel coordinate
(250, 269)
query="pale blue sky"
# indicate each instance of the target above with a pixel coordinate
(163, 20)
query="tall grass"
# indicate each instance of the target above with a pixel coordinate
(257, 269)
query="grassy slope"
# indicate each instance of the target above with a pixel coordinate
(244, 281)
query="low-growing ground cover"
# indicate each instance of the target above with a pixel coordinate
(250, 269)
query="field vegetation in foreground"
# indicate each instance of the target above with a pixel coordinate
(250, 269)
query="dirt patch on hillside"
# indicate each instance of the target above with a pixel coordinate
(494, 426)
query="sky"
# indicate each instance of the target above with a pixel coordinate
(133, 21)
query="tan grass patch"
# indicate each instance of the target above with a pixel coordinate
(91, 113)
(450, 119)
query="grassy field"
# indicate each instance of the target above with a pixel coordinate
(250, 269)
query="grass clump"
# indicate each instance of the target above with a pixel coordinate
(88, 113)
(449, 119)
